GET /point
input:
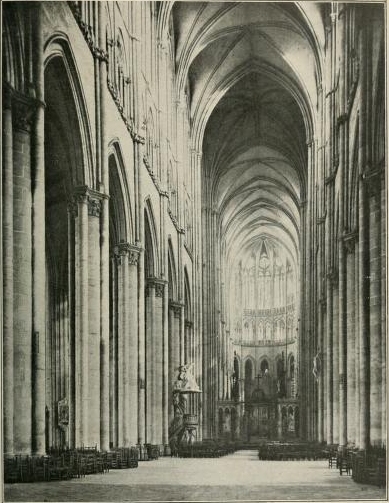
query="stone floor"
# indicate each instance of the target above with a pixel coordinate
(237, 477)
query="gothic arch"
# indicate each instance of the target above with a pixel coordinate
(187, 296)
(59, 47)
(251, 361)
(151, 242)
(172, 272)
(120, 201)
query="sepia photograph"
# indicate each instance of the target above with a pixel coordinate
(194, 265)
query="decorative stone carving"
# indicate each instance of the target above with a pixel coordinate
(158, 284)
(176, 307)
(73, 208)
(123, 250)
(85, 195)
(94, 207)
(23, 110)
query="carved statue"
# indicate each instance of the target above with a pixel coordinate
(185, 382)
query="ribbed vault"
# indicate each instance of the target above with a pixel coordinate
(252, 72)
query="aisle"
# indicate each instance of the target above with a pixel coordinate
(237, 477)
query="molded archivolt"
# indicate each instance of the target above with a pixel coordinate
(58, 46)
(151, 242)
(120, 206)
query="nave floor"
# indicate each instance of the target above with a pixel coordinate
(237, 477)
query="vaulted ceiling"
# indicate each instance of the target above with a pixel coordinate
(252, 72)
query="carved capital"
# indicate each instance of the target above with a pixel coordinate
(94, 207)
(157, 284)
(73, 208)
(93, 198)
(126, 250)
(100, 54)
(23, 110)
(176, 307)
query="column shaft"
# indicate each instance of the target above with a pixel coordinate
(376, 436)
(133, 348)
(8, 289)
(335, 364)
(158, 362)
(39, 249)
(150, 363)
(101, 145)
(22, 282)
(351, 349)
(82, 326)
(94, 342)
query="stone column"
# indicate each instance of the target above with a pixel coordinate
(94, 342)
(39, 248)
(349, 242)
(376, 357)
(113, 354)
(132, 335)
(342, 326)
(150, 361)
(335, 358)
(357, 341)
(383, 303)
(123, 346)
(158, 354)
(175, 309)
(154, 360)
(320, 384)
(329, 397)
(166, 372)
(22, 273)
(364, 406)
(87, 302)
(8, 288)
(101, 59)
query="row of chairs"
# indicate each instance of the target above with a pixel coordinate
(277, 451)
(206, 449)
(60, 464)
(367, 466)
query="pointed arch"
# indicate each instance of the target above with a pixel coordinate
(172, 272)
(58, 52)
(151, 242)
(120, 201)
(187, 296)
